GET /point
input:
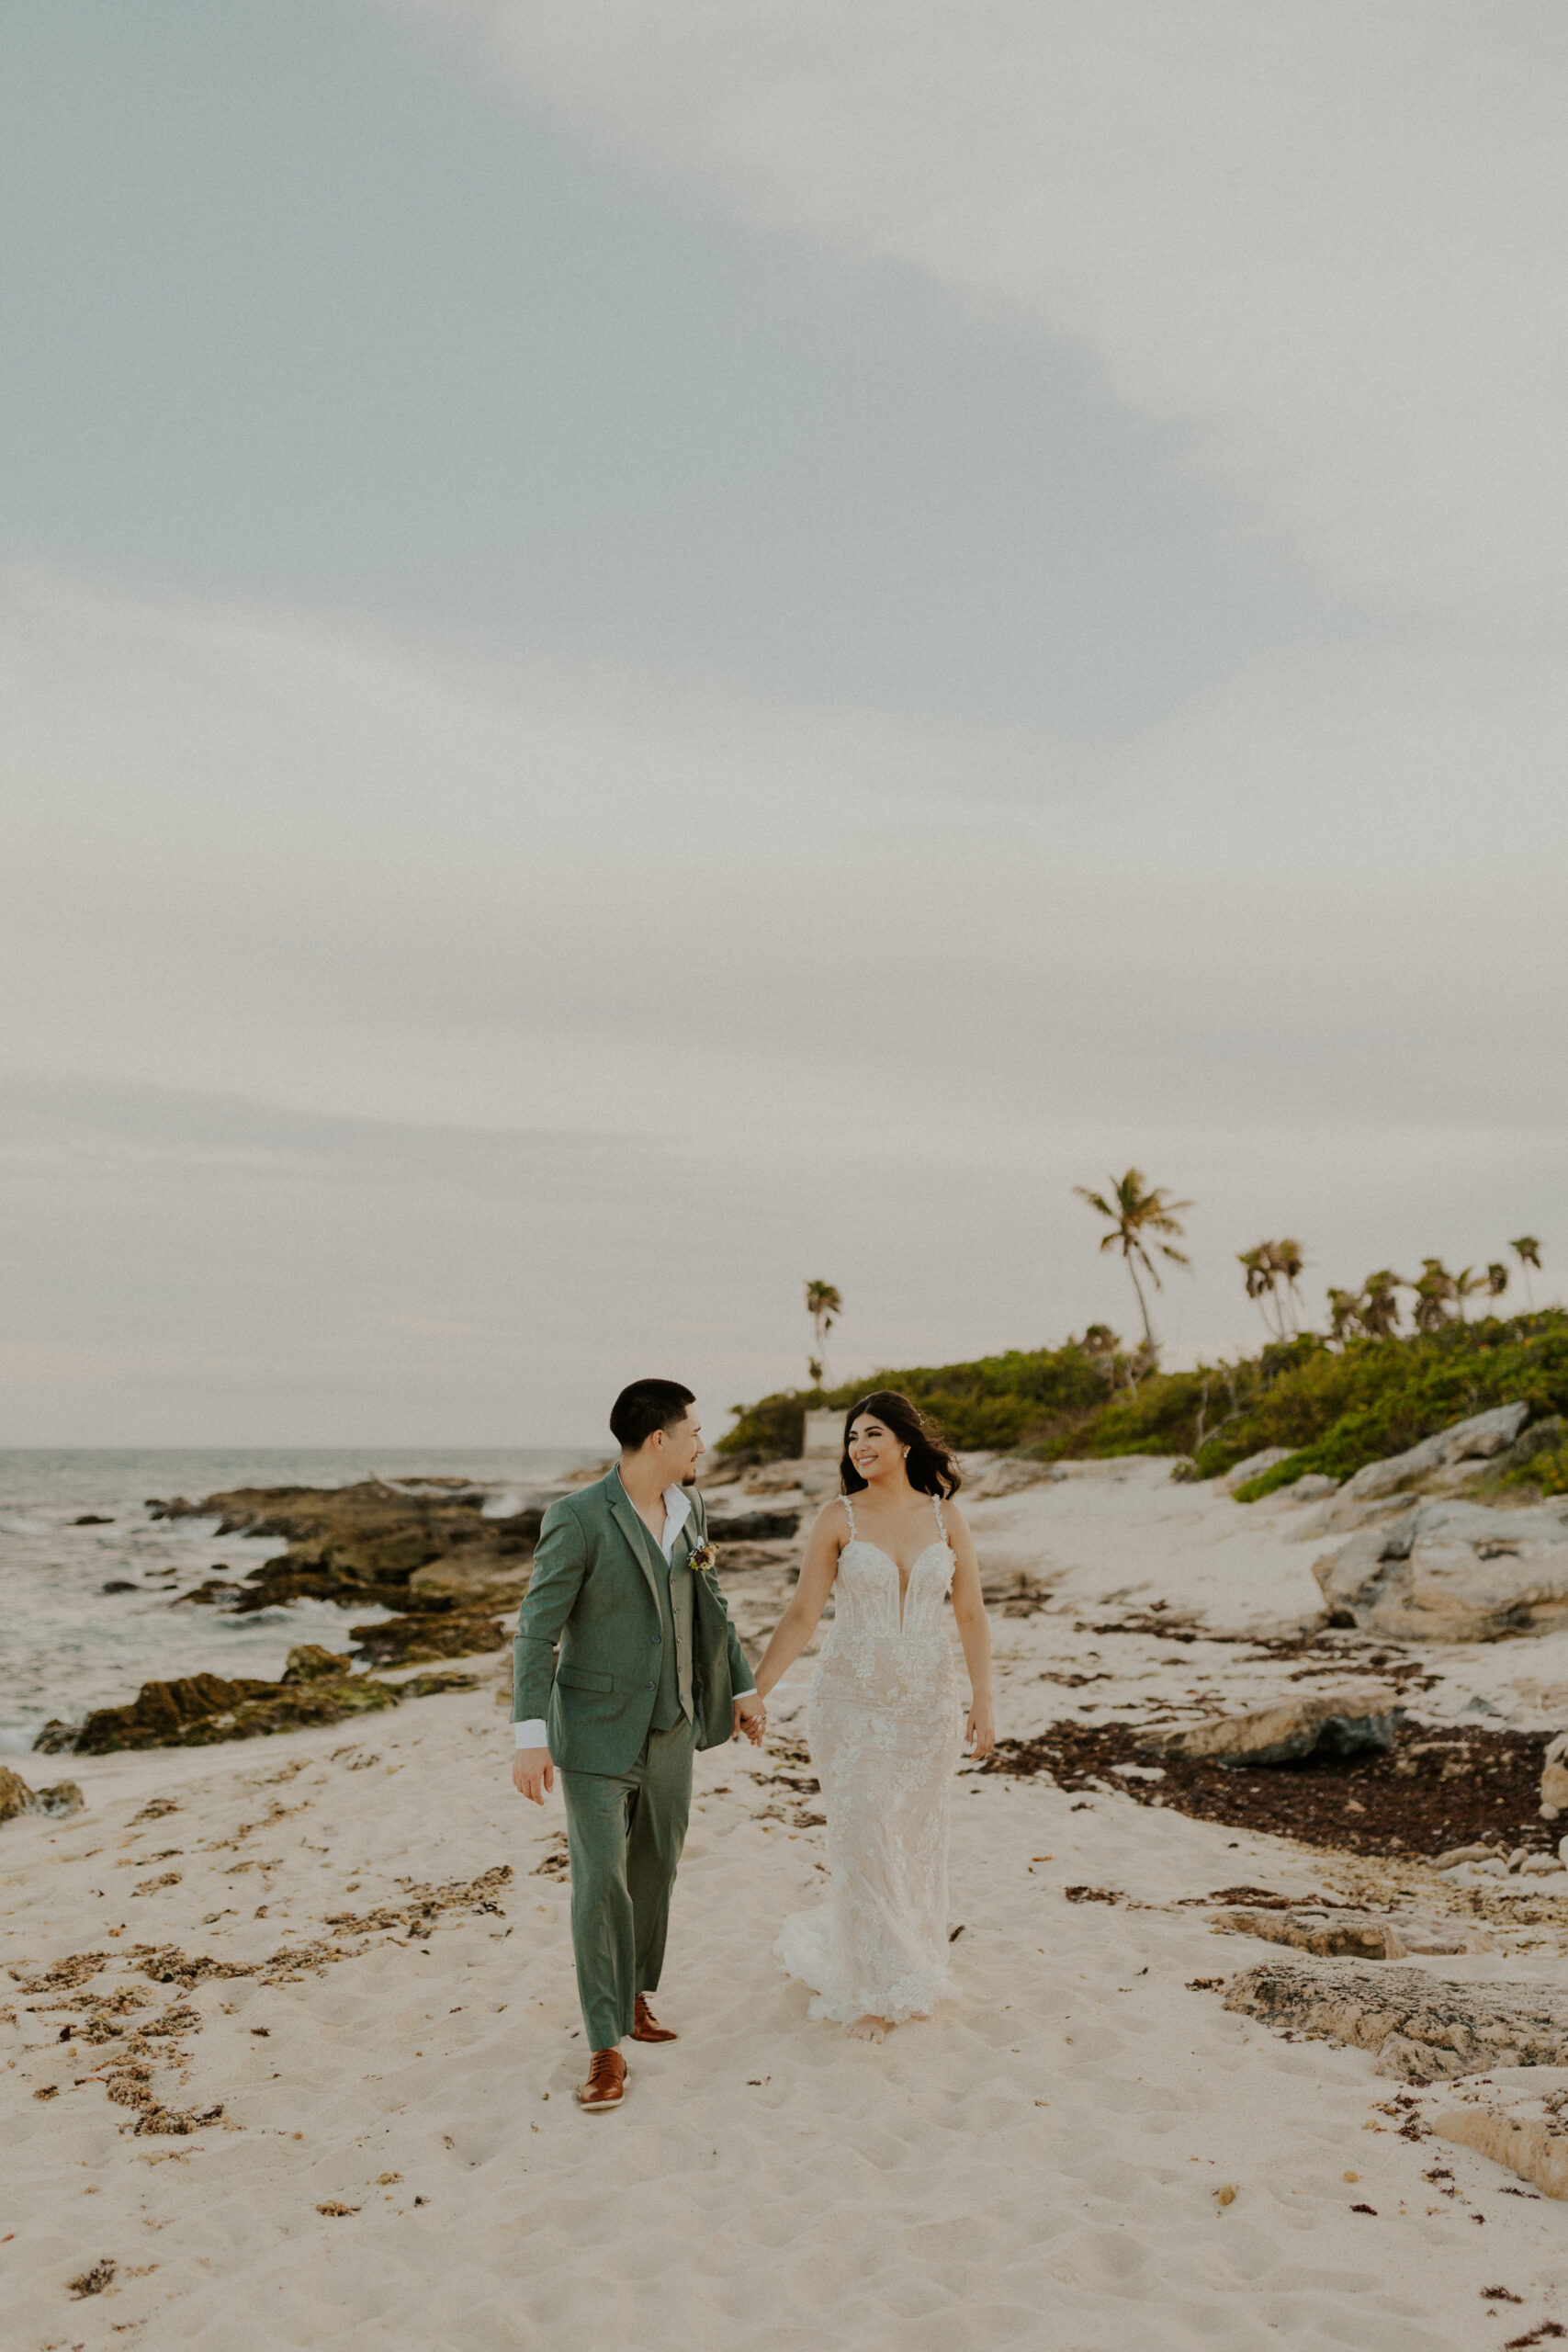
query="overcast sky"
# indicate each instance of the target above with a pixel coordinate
(651, 651)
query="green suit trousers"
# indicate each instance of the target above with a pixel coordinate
(625, 1832)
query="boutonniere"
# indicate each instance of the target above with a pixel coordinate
(703, 1560)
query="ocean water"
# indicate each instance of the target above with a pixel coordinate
(67, 1645)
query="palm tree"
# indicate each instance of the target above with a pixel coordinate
(1496, 1279)
(1135, 1215)
(1290, 1265)
(1435, 1292)
(1527, 1250)
(1467, 1281)
(1273, 1268)
(1262, 1275)
(823, 1304)
(1377, 1312)
(1344, 1314)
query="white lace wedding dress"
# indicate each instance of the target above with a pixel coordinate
(884, 1726)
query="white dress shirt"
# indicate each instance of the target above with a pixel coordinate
(535, 1733)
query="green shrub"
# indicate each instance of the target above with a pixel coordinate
(1340, 1409)
(1334, 1408)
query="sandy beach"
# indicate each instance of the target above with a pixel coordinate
(344, 1963)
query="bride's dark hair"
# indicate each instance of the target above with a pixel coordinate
(929, 1465)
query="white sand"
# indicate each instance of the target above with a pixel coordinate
(1037, 2166)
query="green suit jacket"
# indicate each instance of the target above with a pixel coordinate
(589, 1637)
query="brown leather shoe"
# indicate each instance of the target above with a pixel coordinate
(646, 2026)
(606, 2084)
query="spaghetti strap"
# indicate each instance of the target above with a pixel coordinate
(850, 1515)
(941, 1523)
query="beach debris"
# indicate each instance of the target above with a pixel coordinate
(16, 1797)
(318, 1686)
(1352, 1716)
(93, 2281)
(1359, 1935)
(1421, 2027)
(1438, 1788)
(117, 2017)
(1452, 1571)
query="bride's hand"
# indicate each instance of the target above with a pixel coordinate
(980, 1731)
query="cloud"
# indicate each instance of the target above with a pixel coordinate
(586, 1017)
(1326, 238)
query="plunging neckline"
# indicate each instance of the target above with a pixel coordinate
(904, 1582)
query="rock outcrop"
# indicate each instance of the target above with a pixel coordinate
(429, 1633)
(198, 1710)
(1358, 1935)
(1475, 1440)
(1452, 1571)
(1421, 2027)
(1254, 1466)
(1520, 2125)
(423, 1546)
(1352, 1716)
(1554, 1779)
(15, 1796)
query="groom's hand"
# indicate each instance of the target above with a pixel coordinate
(533, 1774)
(750, 1717)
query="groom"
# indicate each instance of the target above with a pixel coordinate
(625, 1662)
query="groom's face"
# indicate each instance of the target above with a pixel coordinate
(684, 1449)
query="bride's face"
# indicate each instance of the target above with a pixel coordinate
(874, 1449)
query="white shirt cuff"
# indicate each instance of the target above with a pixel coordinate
(750, 1692)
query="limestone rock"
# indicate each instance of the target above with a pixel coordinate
(1421, 2027)
(369, 1541)
(1477, 1439)
(200, 1710)
(1315, 1487)
(1254, 1466)
(1520, 2125)
(15, 1796)
(408, 1640)
(1353, 1714)
(1011, 1474)
(1554, 1778)
(1361, 1935)
(1452, 1571)
(751, 1526)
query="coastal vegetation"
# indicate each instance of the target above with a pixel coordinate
(1336, 1404)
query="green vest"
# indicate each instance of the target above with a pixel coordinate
(673, 1697)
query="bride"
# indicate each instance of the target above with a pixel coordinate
(883, 1718)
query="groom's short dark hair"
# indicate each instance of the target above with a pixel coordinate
(647, 1405)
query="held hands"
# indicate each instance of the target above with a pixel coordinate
(980, 1731)
(750, 1717)
(533, 1774)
